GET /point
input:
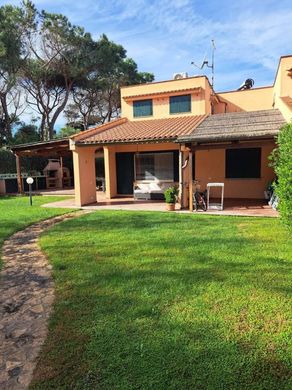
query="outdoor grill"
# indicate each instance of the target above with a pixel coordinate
(55, 178)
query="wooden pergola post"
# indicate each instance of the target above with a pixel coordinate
(62, 177)
(191, 205)
(18, 171)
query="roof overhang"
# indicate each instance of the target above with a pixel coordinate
(229, 137)
(52, 148)
(127, 142)
(177, 92)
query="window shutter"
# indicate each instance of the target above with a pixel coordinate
(178, 104)
(142, 108)
(244, 163)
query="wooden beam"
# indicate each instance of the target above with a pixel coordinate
(231, 145)
(19, 178)
(190, 164)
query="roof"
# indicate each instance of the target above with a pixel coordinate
(52, 147)
(236, 126)
(164, 93)
(149, 130)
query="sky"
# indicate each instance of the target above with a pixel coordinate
(165, 36)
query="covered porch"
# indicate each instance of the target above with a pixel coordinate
(55, 171)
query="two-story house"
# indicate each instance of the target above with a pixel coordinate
(178, 131)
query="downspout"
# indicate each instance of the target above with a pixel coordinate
(181, 184)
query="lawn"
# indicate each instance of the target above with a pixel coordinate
(16, 213)
(168, 301)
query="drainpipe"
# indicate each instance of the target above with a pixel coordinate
(181, 184)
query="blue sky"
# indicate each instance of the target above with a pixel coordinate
(164, 36)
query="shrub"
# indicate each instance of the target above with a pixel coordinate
(171, 194)
(282, 163)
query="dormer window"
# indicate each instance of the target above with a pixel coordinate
(179, 104)
(142, 108)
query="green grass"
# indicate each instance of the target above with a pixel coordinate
(166, 301)
(16, 213)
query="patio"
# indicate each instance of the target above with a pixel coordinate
(236, 207)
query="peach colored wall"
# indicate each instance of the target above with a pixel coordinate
(248, 100)
(278, 95)
(283, 88)
(2, 187)
(110, 160)
(210, 167)
(84, 175)
(163, 86)
(200, 99)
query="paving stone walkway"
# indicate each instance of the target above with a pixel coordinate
(26, 298)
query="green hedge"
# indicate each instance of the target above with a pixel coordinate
(282, 160)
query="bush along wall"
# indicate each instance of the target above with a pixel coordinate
(282, 162)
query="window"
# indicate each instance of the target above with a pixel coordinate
(243, 163)
(142, 108)
(179, 104)
(155, 166)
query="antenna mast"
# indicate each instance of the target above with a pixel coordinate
(206, 63)
(213, 62)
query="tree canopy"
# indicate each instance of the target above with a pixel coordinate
(50, 66)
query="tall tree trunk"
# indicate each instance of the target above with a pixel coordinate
(6, 117)
(58, 111)
(85, 121)
(42, 128)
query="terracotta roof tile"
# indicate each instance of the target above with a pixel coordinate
(164, 93)
(141, 130)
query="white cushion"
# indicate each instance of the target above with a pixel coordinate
(155, 187)
(143, 187)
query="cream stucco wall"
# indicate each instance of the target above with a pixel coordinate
(282, 94)
(198, 87)
(279, 95)
(247, 100)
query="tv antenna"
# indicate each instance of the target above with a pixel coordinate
(206, 62)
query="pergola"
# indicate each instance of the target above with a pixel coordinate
(54, 148)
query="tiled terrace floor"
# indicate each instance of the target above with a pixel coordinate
(243, 207)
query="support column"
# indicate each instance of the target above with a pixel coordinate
(191, 206)
(84, 175)
(61, 164)
(18, 171)
(110, 171)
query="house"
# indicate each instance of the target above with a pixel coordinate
(178, 131)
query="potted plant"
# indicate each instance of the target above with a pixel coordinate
(171, 195)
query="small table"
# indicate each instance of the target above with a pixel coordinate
(215, 206)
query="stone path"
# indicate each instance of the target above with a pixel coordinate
(26, 298)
